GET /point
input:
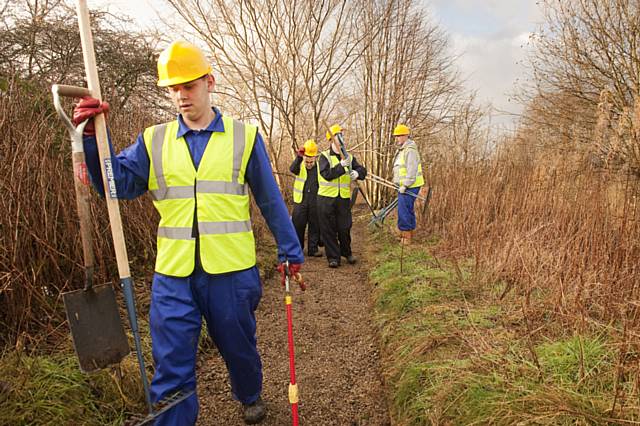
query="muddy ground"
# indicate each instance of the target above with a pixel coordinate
(337, 359)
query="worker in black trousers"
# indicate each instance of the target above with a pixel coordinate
(305, 192)
(334, 199)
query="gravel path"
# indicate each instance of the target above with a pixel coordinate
(337, 359)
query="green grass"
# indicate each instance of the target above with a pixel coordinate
(50, 389)
(456, 354)
(46, 390)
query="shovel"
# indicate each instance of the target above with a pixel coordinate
(96, 329)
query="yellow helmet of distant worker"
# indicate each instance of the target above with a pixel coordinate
(335, 129)
(401, 130)
(181, 62)
(310, 148)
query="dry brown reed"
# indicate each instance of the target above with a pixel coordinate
(562, 237)
(40, 248)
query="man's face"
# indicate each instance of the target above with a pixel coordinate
(309, 161)
(400, 140)
(192, 98)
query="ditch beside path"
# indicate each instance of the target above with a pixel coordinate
(337, 354)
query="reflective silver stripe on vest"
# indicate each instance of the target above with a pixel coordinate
(175, 233)
(334, 185)
(219, 187)
(209, 228)
(238, 148)
(299, 191)
(300, 180)
(173, 193)
(157, 141)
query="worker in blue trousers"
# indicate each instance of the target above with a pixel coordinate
(198, 169)
(407, 175)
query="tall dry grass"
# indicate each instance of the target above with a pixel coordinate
(561, 236)
(40, 248)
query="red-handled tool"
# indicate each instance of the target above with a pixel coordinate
(288, 301)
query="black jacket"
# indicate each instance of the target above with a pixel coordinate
(333, 173)
(310, 189)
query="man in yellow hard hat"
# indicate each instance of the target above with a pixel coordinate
(407, 174)
(305, 194)
(334, 199)
(198, 169)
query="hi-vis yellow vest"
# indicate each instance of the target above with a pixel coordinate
(403, 169)
(217, 192)
(298, 184)
(338, 187)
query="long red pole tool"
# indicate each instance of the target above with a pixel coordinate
(288, 301)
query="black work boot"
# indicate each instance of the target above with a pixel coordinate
(333, 263)
(351, 259)
(255, 412)
(314, 253)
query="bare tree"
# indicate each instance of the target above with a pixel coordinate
(587, 50)
(405, 74)
(281, 60)
(39, 41)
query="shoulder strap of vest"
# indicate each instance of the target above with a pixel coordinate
(156, 132)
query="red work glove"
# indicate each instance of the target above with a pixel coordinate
(294, 269)
(88, 108)
(301, 152)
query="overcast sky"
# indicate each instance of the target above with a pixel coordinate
(489, 36)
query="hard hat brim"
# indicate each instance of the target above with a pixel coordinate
(167, 82)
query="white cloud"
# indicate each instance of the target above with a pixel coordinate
(491, 38)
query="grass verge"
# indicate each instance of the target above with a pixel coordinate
(454, 353)
(44, 386)
(46, 390)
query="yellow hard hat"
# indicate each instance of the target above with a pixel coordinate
(401, 130)
(181, 62)
(310, 148)
(335, 129)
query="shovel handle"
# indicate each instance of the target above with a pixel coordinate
(71, 91)
(80, 176)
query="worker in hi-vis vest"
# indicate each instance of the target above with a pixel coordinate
(198, 169)
(334, 199)
(407, 174)
(305, 194)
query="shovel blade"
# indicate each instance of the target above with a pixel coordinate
(98, 335)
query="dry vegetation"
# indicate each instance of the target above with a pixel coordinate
(548, 214)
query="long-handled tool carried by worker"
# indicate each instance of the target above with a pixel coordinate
(94, 320)
(345, 155)
(115, 220)
(378, 220)
(288, 301)
(384, 182)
